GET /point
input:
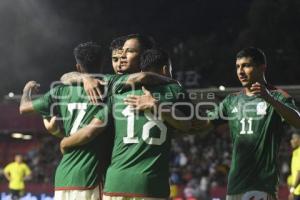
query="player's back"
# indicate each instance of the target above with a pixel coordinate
(83, 161)
(141, 148)
(79, 167)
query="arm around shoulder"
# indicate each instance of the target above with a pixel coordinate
(83, 135)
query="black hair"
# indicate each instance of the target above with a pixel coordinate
(256, 54)
(117, 43)
(154, 58)
(89, 56)
(146, 42)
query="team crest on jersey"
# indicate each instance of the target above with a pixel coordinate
(261, 108)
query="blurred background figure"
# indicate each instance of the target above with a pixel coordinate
(294, 178)
(16, 173)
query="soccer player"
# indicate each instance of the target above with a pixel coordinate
(140, 160)
(77, 175)
(255, 117)
(295, 168)
(16, 172)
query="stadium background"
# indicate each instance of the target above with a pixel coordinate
(202, 37)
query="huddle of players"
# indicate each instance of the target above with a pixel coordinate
(139, 161)
(137, 165)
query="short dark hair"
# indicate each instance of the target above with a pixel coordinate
(145, 41)
(89, 55)
(256, 54)
(117, 43)
(154, 58)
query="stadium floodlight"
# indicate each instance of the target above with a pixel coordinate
(222, 88)
(17, 135)
(27, 137)
(11, 94)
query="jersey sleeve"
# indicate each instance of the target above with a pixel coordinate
(43, 105)
(104, 113)
(115, 84)
(287, 101)
(108, 77)
(7, 169)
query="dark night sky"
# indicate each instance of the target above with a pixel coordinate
(37, 37)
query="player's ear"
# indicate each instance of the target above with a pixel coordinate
(79, 68)
(166, 71)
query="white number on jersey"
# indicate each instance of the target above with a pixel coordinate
(82, 110)
(243, 122)
(129, 139)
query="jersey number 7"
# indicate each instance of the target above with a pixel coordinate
(82, 110)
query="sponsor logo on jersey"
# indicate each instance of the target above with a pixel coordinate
(234, 110)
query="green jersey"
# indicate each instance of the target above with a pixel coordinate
(140, 158)
(256, 131)
(80, 168)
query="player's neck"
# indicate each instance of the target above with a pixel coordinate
(248, 91)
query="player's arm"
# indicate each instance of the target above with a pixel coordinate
(297, 181)
(210, 120)
(148, 78)
(294, 185)
(73, 77)
(7, 176)
(176, 122)
(83, 135)
(26, 105)
(6, 173)
(92, 85)
(291, 115)
(147, 101)
(27, 173)
(52, 127)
